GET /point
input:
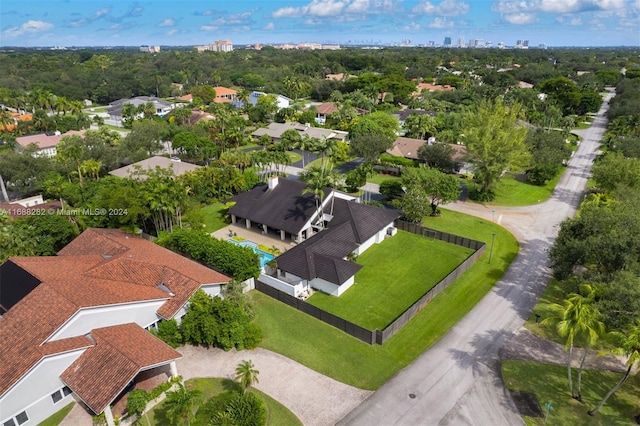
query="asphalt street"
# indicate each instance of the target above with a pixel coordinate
(457, 381)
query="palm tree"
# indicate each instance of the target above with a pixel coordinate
(246, 374)
(91, 167)
(576, 318)
(180, 403)
(243, 96)
(629, 346)
(316, 182)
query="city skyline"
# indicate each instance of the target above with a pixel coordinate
(130, 23)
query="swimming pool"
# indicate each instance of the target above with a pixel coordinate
(263, 255)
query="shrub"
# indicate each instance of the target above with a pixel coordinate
(253, 336)
(243, 410)
(391, 188)
(169, 333)
(240, 262)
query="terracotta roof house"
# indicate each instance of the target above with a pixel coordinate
(275, 131)
(74, 324)
(224, 95)
(406, 147)
(46, 142)
(433, 87)
(327, 233)
(178, 167)
(325, 109)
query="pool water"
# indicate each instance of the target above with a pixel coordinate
(263, 255)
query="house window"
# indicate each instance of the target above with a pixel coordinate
(22, 418)
(56, 396)
(66, 391)
(9, 422)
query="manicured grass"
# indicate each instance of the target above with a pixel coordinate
(294, 157)
(380, 177)
(119, 129)
(549, 384)
(338, 355)
(213, 217)
(277, 415)
(511, 192)
(387, 284)
(56, 418)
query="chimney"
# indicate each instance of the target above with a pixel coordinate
(273, 182)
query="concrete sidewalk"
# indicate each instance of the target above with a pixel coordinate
(316, 399)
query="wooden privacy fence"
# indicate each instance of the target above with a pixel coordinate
(377, 336)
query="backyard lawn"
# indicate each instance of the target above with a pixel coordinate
(342, 357)
(381, 177)
(388, 284)
(549, 384)
(56, 418)
(213, 217)
(277, 414)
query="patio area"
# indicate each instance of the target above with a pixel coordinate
(269, 240)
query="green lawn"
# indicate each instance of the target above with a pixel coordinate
(294, 157)
(387, 285)
(213, 217)
(277, 415)
(381, 177)
(56, 418)
(347, 359)
(511, 192)
(549, 384)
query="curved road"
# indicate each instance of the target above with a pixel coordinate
(457, 381)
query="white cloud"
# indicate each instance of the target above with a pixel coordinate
(445, 8)
(100, 13)
(519, 7)
(167, 23)
(332, 8)
(441, 23)
(172, 32)
(78, 23)
(569, 20)
(411, 26)
(269, 26)
(209, 28)
(234, 19)
(29, 27)
(521, 18)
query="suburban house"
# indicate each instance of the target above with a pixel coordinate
(224, 95)
(406, 147)
(28, 206)
(432, 88)
(136, 170)
(281, 100)
(72, 326)
(328, 231)
(275, 131)
(45, 143)
(15, 118)
(115, 107)
(403, 114)
(325, 109)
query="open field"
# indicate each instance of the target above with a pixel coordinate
(388, 284)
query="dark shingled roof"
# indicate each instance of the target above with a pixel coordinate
(284, 207)
(322, 256)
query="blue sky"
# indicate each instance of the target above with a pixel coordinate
(169, 22)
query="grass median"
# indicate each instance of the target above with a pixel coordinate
(344, 358)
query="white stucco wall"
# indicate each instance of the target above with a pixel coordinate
(85, 320)
(33, 393)
(289, 288)
(331, 288)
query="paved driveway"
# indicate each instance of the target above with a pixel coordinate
(457, 381)
(316, 399)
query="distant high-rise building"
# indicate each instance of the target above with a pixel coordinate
(542, 46)
(460, 41)
(522, 44)
(473, 43)
(150, 49)
(217, 46)
(431, 43)
(447, 42)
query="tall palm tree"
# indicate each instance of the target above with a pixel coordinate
(316, 182)
(246, 374)
(629, 346)
(180, 404)
(577, 318)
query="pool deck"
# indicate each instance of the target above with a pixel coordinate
(253, 235)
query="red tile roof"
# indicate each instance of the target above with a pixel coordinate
(120, 353)
(43, 140)
(100, 267)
